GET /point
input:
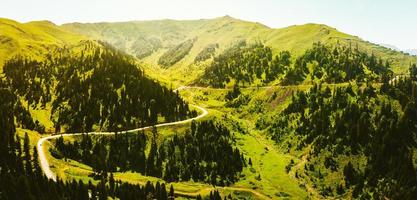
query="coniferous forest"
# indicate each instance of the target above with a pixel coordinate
(203, 109)
(22, 178)
(246, 63)
(97, 87)
(204, 154)
(377, 124)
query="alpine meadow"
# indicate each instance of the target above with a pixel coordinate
(213, 108)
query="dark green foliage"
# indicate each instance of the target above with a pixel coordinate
(245, 63)
(215, 195)
(340, 190)
(100, 86)
(118, 153)
(7, 125)
(413, 72)
(129, 191)
(95, 100)
(204, 154)
(25, 120)
(171, 193)
(199, 197)
(348, 109)
(350, 174)
(350, 120)
(30, 79)
(277, 66)
(176, 53)
(235, 98)
(29, 183)
(337, 64)
(295, 74)
(233, 93)
(144, 47)
(289, 166)
(332, 64)
(207, 53)
(330, 163)
(239, 101)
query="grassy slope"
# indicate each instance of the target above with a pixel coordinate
(38, 38)
(268, 161)
(32, 39)
(223, 31)
(298, 38)
(68, 169)
(35, 38)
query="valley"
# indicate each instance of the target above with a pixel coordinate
(204, 109)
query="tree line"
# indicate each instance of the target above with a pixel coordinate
(337, 64)
(22, 178)
(204, 154)
(94, 86)
(176, 53)
(207, 53)
(245, 63)
(377, 123)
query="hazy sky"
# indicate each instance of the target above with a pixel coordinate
(380, 21)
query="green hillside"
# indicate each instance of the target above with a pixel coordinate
(92, 77)
(157, 43)
(33, 39)
(151, 40)
(301, 112)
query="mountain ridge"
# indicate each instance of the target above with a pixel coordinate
(411, 51)
(138, 36)
(149, 40)
(33, 39)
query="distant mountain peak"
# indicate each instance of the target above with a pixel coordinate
(227, 17)
(411, 51)
(42, 22)
(390, 46)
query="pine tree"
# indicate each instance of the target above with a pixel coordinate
(413, 72)
(37, 169)
(28, 164)
(102, 189)
(111, 185)
(171, 192)
(150, 162)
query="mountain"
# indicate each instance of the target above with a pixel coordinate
(93, 77)
(170, 47)
(389, 46)
(52, 80)
(334, 122)
(411, 51)
(33, 39)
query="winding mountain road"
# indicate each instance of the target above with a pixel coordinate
(45, 165)
(48, 172)
(44, 161)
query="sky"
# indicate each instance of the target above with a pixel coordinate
(391, 22)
